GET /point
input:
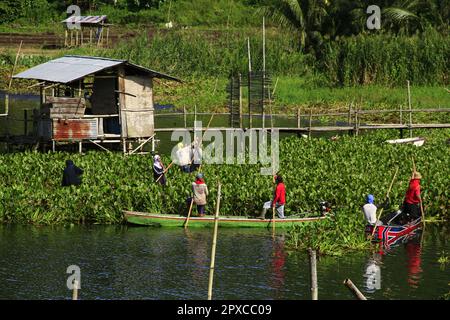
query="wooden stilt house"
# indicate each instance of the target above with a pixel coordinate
(94, 100)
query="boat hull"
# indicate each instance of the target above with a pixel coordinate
(390, 233)
(170, 220)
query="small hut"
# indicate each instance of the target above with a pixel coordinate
(81, 30)
(94, 100)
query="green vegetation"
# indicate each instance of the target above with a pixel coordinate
(341, 171)
(444, 258)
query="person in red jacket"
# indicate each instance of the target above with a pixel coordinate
(279, 199)
(411, 205)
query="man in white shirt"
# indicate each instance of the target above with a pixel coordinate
(183, 157)
(370, 211)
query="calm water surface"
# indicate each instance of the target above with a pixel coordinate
(121, 262)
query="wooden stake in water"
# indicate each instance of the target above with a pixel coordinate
(313, 264)
(214, 243)
(189, 213)
(75, 290)
(354, 289)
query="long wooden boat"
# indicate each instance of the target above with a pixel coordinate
(390, 233)
(171, 220)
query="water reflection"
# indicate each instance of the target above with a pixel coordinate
(198, 248)
(277, 267)
(412, 244)
(414, 251)
(372, 273)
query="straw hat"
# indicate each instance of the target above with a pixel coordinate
(417, 175)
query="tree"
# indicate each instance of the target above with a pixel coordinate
(303, 17)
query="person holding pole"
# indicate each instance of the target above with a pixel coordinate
(200, 193)
(158, 170)
(370, 210)
(411, 205)
(279, 199)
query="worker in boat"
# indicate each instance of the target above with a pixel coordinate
(200, 191)
(279, 199)
(370, 210)
(158, 170)
(411, 205)
(71, 175)
(183, 157)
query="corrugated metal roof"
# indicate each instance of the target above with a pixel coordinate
(85, 19)
(67, 69)
(71, 68)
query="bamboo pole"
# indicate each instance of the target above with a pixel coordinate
(264, 73)
(75, 290)
(298, 118)
(214, 243)
(195, 113)
(310, 122)
(185, 117)
(164, 172)
(410, 109)
(249, 83)
(189, 213)
(240, 102)
(14, 66)
(354, 289)
(273, 218)
(313, 265)
(381, 211)
(421, 204)
(9, 88)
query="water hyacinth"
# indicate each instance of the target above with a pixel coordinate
(341, 171)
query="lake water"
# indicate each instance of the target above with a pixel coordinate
(122, 262)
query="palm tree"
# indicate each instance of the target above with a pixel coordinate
(303, 17)
(410, 16)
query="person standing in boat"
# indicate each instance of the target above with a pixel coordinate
(71, 175)
(183, 157)
(370, 210)
(279, 199)
(196, 155)
(200, 191)
(411, 204)
(158, 170)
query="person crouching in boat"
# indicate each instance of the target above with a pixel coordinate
(370, 210)
(411, 204)
(279, 199)
(200, 190)
(158, 170)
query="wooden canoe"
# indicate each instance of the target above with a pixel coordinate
(416, 141)
(171, 220)
(389, 234)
